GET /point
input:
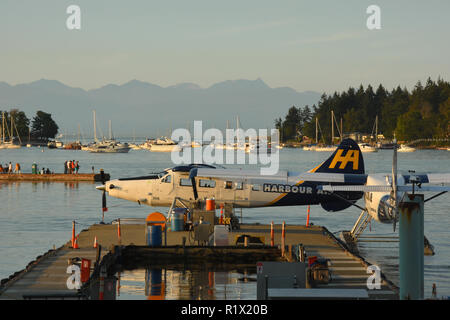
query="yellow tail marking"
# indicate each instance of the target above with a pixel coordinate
(351, 156)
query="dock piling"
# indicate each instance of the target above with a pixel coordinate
(411, 255)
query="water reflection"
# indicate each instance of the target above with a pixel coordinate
(155, 283)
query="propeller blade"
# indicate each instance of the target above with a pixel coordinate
(104, 208)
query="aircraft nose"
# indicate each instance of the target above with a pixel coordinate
(102, 187)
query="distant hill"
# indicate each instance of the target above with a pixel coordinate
(149, 109)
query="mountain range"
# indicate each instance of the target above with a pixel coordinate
(146, 109)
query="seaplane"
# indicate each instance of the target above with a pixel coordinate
(336, 184)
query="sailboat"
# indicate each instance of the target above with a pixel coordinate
(330, 147)
(106, 145)
(8, 144)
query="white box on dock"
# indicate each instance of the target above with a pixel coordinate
(220, 235)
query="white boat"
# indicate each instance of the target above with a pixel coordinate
(8, 144)
(405, 148)
(162, 144)
(365, 147)
(55, 144)
(108, 146)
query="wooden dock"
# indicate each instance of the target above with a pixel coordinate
(53, 177)
(47, 275)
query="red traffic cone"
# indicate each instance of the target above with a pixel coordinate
(75, 245)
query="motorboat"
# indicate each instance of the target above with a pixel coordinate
(405, 148)
(162, 144)
(365, 147)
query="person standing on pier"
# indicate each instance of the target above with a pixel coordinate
(10, 167)
(72, 163)
(65, 167)
(77, 167)
(17, 168)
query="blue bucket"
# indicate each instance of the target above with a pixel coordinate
(177, 221)
(154, 236)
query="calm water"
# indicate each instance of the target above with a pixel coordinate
(36, 216)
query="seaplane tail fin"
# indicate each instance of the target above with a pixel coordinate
(347, 158)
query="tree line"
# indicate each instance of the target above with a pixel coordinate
(422, 113)
(42, 127)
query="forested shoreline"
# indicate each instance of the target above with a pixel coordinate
(423, 113)
(16, 125)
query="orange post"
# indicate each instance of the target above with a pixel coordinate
(272, 240)
(221, 214)
(73, 234)
(75, 245)
(95, 242)
(118, 231)
(283, 236)
(307, 217)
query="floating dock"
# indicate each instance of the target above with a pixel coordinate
(46, 277)
(53, 177)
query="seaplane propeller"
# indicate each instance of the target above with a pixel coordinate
(103, 188)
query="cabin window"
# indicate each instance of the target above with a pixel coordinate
(167, 179)
(228, 185)
(207, 183)
(256, 187)
(239, 186)
(185, 182)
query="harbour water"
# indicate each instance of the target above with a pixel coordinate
(35, 217)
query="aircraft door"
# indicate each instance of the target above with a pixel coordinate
(227, 192)
(164, 193)
(241, 194)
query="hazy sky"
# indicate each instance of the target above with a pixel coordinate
(306, 45)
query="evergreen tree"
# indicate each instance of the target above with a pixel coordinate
(43, 127)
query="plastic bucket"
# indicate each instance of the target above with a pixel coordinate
(154, 235)
(177, 221)
(210, 204)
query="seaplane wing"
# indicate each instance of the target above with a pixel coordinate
(254, 176)
(380, 188)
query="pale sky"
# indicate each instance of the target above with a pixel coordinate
(305, 45)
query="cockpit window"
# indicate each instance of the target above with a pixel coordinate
(162, 174)
(167, 179)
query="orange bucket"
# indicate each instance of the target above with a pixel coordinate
(210, 204)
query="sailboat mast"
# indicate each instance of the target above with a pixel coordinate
(332, 127)
(376, 129)
(3, 126)
(317, 130)
(95, 128)
(342, 132)
(109, 126)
